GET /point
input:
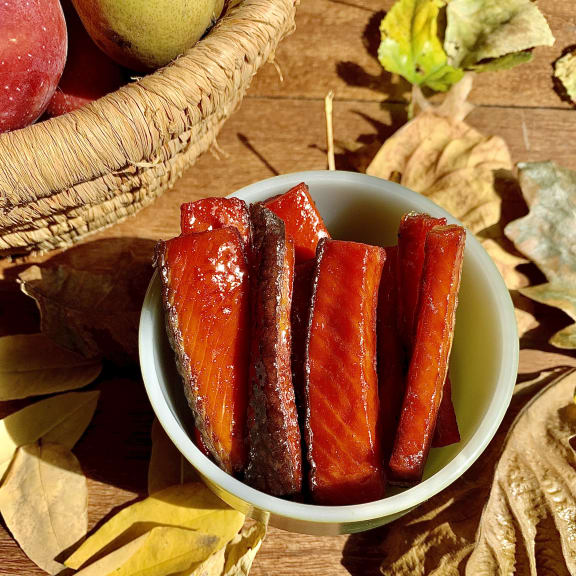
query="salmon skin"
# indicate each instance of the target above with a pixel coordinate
(206, 297)
(275, 450)
(214, 213)
(444, 252)
(391, 354)
(300, 317)
(301, 218)
(341, 389)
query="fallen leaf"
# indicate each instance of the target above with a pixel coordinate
(60, 419)
(445, 159)
(91, 295)
(191, 506)
(167, 465)
(504, 62)
(483, 30)
(565, 71)
(33, 365)
(517, 501)
(212, 566)
(410, 45)
(242, 550)
(161, 551)
(44, 502)
(507, 264)
(528, 524)
(547, 235)
(440, 156)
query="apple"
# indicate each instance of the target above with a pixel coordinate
(33, 44)
(88, 74)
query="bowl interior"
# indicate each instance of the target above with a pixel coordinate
(483, 361)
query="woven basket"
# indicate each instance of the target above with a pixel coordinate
(67, 177)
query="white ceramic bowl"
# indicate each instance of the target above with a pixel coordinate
(483, 365)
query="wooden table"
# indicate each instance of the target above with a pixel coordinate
(280, 128)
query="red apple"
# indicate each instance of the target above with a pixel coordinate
(89, 73)
(33, 46)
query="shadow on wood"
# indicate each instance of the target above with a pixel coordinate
(393, 89)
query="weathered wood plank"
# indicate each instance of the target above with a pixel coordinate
(335, 45)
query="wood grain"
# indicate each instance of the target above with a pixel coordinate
(279, 129)
(336, 42)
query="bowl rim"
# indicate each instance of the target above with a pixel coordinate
(388, 506)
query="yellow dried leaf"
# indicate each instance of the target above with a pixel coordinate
(33, 365)
(191, 506)
(565, 71)
(212, 566)
(242, 550)
(162, 551)
(61, 419)
(44, 502)
(167, 466)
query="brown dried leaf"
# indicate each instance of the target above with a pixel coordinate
(547, 235)
(44, 502)
(167, 466)
(517, 518)
(91, 295)
(528, 523)
(33, 365)
(442, 157)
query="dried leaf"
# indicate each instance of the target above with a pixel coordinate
(503, 63)
(482, 30)
(528, 523)
(410, 45)
(531, 497)
(565, 71)
(442, 157)
(61, 420)
(242, 550)
(90, 296)
(167, 465)
(44, 502)
(547, 235)
(191, 506)
(33, 365)
(506, 264)
(161, 551)
(212, 566)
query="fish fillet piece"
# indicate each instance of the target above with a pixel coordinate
(341, 390)
(206, 297)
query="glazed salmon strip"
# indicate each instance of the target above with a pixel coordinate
(444, 252)
(206, 297)
(341, 389)
(214, 213)
(301, 218)
(275, 451)
(412, 235)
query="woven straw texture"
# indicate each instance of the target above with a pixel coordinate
(67, 177)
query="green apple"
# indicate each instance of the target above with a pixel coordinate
(146, 34)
